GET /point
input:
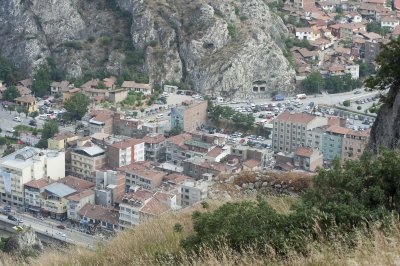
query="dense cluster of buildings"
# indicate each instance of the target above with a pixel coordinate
(306, 141)
(337, 33)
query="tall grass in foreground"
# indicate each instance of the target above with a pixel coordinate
(157, 239)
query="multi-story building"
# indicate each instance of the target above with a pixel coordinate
(193, 191)
(315, 137)
(333, 142)
(290, 130)
(301, 4)
(176, 149)
(86, 160)
(26, 165)
(59, 141)
(125, 152)
(141, 205)
(308, 158)
(94, 217)
(32, 192)
(154, 145)
(54, 202)
(372, 48)
(143, 175)
(198, 168)
(59, 87)
(75, 203)
(146, 89)
(110, 186)
(190, 117)
(245, 153)
(101, 122)
(389, 22)
(354, 144)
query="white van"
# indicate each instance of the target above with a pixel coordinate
(159, 116)
(301, 96)
(220, 100)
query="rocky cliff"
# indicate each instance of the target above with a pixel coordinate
(386, 130)
(220, 47)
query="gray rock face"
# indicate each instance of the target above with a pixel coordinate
(385, 131)
(221, 47)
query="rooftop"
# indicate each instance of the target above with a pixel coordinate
(76, 183)
(127, 143)
(26, 99)
(304, 151)
(99, 213)
(153, 138)
(80, 195)
(132, 84)
(338, 130)
(59, 189)
(179, 139)
(39, 183)
(200, 144)
(299, 118)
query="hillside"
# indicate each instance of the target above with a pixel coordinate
(215, 46)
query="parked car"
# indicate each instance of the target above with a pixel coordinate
(17, 119)
(33, 123)
(12, 218)
(60, 226)
(61, 234)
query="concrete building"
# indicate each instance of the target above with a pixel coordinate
(59, 87)
(290, 130)
(116, 96)
(126, 152)
(101, 122)
(353, 70)
(54, 202)
(146, 89)
(354, 144)
(189, 118)
(95, 217)
(372, 48)
(154, 147)
(389, 22)
(333, 143)
(110, 186)
(308, 159)
(176, 149)
(26, 165)
(59, 141)
(198, 168)
(75, 203)
(86, 160)
(142, 205)
(245, 153)
(142, 175)
(27, 102)
(193, 192)
(32, 193)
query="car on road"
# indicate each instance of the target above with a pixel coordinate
(61, 234)
(33, 123)
(12, 218)
(61, 226)
(357, 92)
(17, 119)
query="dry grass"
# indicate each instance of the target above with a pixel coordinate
(139, 246)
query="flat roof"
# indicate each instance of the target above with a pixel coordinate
(59, 189)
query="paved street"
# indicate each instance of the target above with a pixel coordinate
(48, 226)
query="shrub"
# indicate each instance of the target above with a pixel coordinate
(232, 31)
(359, 107)
(346, 103)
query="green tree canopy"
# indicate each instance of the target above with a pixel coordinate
(314, 83)
(50, 128)
(8, 72)
(77, 105)
(11, 93)
(388, 74)
(41, 81)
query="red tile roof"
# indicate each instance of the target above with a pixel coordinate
(100, 213)
(300, 118)
(304, 151)
(39, 183)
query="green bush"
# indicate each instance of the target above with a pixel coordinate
(232, 31)
(359, 107)
(346, 103)
(343, 201)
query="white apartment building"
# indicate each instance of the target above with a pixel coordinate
(307, 34)
(353, 70)
(141, 205)
(126, 152)
(193, 191)
(290, 130)
(389, 22)
(25, 165)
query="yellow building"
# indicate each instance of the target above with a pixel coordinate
(58, 142)
(27, 102)
(54, 202)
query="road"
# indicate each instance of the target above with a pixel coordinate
(49, 227)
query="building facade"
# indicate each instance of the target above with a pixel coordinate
(26, 165)
(189, 118)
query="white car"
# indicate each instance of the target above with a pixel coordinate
(61, 234)
(17, 119)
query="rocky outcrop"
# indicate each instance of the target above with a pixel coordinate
(25, 241)
(385, 131)
(220, 47)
